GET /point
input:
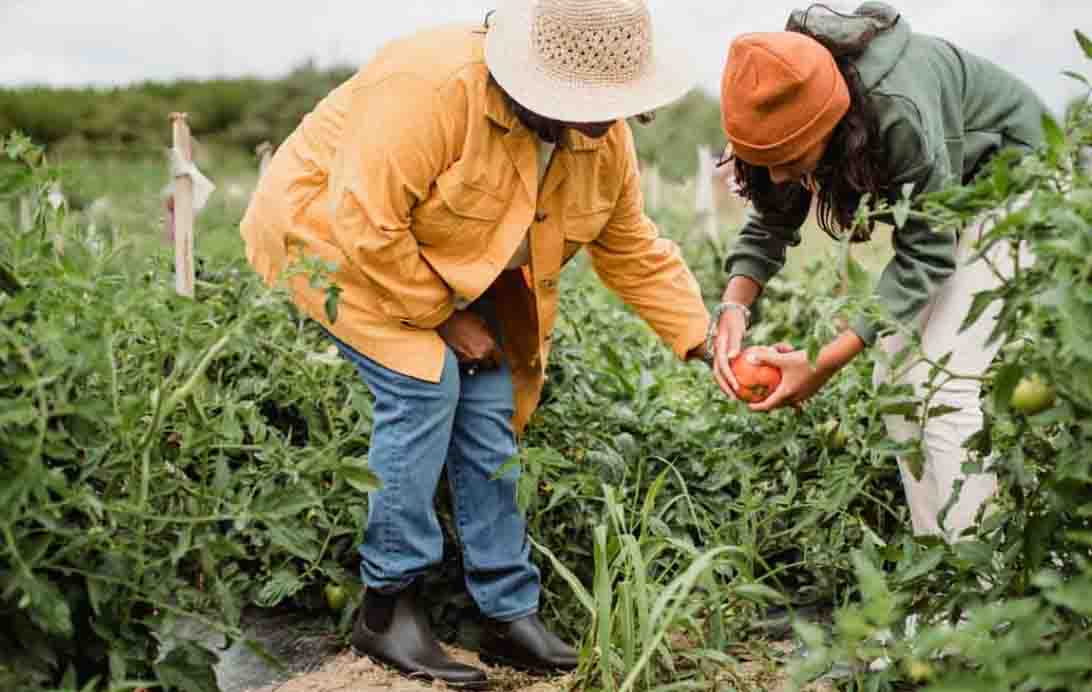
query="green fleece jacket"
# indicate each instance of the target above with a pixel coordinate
(943, 113)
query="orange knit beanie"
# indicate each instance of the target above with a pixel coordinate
(781, 94)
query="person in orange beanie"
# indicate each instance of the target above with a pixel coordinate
(832, 109)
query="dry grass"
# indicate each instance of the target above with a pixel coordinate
(762, 668)
(351, 673)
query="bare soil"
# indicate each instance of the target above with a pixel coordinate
(347, 672)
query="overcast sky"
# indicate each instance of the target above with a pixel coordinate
(78, 42)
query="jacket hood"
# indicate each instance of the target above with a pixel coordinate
(877, 25)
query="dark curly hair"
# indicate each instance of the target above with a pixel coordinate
(853, 165)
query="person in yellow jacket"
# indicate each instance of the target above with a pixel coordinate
(449, 181)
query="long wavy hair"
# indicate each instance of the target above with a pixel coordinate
(853, 165)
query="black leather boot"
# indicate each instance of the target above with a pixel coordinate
(406, 642)
(526, 644)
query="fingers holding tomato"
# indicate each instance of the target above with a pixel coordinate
(755, 380)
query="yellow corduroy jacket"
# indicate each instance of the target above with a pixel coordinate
(417, 180)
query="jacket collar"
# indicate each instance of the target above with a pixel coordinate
(497, 111)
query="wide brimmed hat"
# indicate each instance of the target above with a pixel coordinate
(585, 61)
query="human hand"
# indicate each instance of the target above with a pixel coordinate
(728, 342)
(699, 352)
(799, 380)
(469, 337)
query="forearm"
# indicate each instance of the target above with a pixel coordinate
(658, 285)
(838, 353)
(741, 289)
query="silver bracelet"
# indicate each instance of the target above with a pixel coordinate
(725, 307)
(714, 325)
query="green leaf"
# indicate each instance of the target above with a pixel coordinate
(1004, 383)
(898, 406)
(1002, 178)
(49, 609)
(18, 413)
(571, 579)
(975, 553)
(1079, 77)
(282, 584)
(941, 411)
(1086, 43)
(297, 540)
(1082, 537)
(1037, 539)
(759, 593)
(1076, 596)
(188, 668)
(982, 301)
(284, 503)
(513, 464)
(604, 600)
(922, 565)
(666, 607)
(333, 295)
(357, 474)
(860, 281)
(1055, 137)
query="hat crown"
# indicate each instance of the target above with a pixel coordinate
(769, 75)
(782, 92)
(593, 41)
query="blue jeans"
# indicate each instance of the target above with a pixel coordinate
(465, 422)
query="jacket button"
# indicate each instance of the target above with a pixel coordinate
(540, 217)
(549, 284)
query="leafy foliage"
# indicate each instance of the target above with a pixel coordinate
(1011, 607)
(162, 458)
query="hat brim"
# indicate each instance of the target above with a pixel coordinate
(511, 59)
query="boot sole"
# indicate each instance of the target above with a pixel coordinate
(417, 676)
(492, 660)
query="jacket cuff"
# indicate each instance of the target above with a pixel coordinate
(752, 269)
(690, 339)
(866, 330)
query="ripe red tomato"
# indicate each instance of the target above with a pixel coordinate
(756, 382)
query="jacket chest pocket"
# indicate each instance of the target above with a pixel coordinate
(456, 209)
(583, 227)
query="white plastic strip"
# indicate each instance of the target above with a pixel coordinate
(202, 186)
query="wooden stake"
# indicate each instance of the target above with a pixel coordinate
(703, 182)
(705, 203)
(183, 210)
(265, 155)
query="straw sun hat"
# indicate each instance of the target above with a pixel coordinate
(584, 61)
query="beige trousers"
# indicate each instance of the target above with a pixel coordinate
(943, 436)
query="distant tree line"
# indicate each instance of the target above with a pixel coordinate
(242, 113)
